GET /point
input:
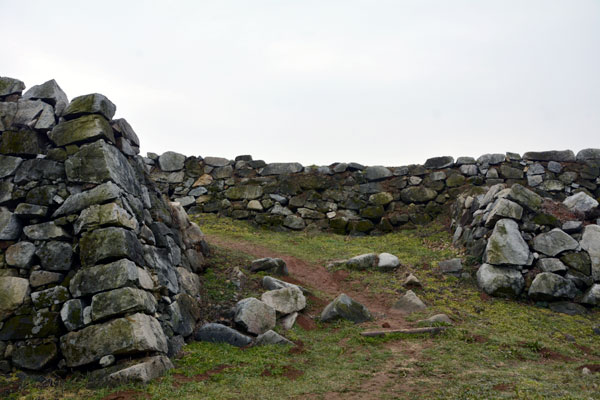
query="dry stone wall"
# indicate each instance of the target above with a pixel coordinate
(97, 267)
(350, 198)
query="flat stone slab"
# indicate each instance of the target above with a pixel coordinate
(218, 333)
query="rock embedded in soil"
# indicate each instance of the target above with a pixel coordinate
(409, 303)
(218, 333)
(547, 286)
(268, 264)
(271, 337)
(387, 262)
(451, 267)
(500, 281)
(286, 300)
(343, 307)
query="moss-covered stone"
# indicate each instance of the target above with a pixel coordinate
(382, 198)
(547, 219)
(84, 129)
(35, 357)
(455, 180)
(21, 143)
(244, 192)
(93, 103)
(362, 226)
(579, 261)
(110, 243)
(372, 212)
(36, 325)
(417, 194)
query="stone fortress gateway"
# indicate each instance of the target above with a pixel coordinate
(99, 261)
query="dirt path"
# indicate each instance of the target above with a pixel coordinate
(317, 277)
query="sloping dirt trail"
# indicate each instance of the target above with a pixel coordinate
(317, 277)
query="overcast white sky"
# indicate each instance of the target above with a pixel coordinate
(377, 82)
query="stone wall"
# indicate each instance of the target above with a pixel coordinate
(96, 266)
(532, 246)
(351, 198)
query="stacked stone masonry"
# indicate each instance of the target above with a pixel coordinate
(350, 198)
(97, 267)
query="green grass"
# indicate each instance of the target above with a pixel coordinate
(496, 349)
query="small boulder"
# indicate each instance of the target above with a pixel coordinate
(286, 300)
(451, 267)
(271, 337)
(547, 286)
(362, 262)
(254, 316)
(500, 281)
(387, 262)
(436, 320)
(143, 371)
(412, 281)
(218, 333)
(409, 303)
(273, 265)
(554, 242)
(346, 308)
(506, 245)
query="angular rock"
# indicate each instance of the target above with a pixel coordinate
(110, 243)
(592, 296)
(345, 308)
(10, 226)
(50, 93)
(189, 282)
(84, 129)
(525, 197)
(21, 143)
(184, 312)
(104, 277)
(13, 292)
(161, 262)
(553, 155)
(491, 159)
(40, 324)
(504, 208)
(271, 337)
(217, 161)
(412, 281)
(8, 165)
(20, 255)
(100, 162)
(551, 265)
(55, 256)
(294, 222)
(77, 202)
(387, 262)
(275, 265)
(439, 162)
(38, 169)
(578, 261)
(122, 301)
(377, 173)
(25, 210)
(218, 333)
(42, 278)
(409, 303)
(50, 297)
(581, 202)
(45, 231)
(7, 114)
(244, 192)
(138, 333)
(94, 103)
(286, 300)
(10, 86)
(34, 114)
(254, 316)
(417, 194)
(110, 214)
(452, 267)
(146, 370)
(71, 314)
(554, 242)
(506, 245)
(500, 281)
(362, 262)
(588, 154)
(124, 128)
(34, 357)
(547, 286)
(288, 321)
(281, 168)
(171, 161)
(270, 283)
(590, 242)
(382, 198)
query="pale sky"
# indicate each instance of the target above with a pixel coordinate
(376, 82)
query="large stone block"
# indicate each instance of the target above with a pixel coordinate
(77, 202)
(101, 162)
(55, 255)
(245, 192)
(38, 169)
(590, 242)
(84, 129)
(10, 86)
(34, 114)
(38, 325)
(104, 277)
(500, 281)
(554, 242)
(254, 315)
(94, 103)
(110, 214)
(281, 168)
(121, 301)
(109, 244)
(138, 333)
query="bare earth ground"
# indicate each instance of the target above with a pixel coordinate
(390, 379)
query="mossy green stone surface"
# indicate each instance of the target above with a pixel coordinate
(20, 143)
(83, 129)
